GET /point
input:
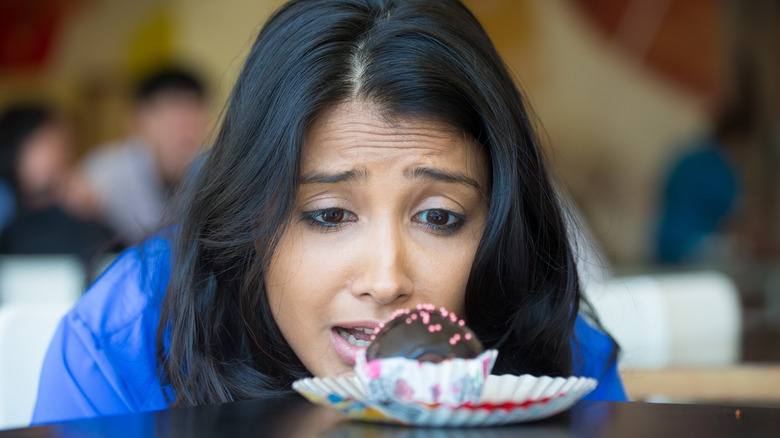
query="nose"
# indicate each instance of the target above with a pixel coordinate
(383, 273)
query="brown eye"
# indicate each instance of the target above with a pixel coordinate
(332, 216)
(440, 221)
(437, 217)
(330, 219)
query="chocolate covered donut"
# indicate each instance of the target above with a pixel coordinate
(426, 335)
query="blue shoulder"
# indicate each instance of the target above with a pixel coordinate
(132, 286)
(595, 355)
(102, 360)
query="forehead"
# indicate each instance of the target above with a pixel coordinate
(352, 133)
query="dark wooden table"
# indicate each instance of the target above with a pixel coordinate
(295, 417)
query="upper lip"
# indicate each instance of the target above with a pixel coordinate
(358, 324)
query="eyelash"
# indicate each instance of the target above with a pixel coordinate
(447, 229)
(311, 217)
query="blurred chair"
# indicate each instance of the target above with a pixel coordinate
(41, 279)
(672, 320)
(25, 333)
(35, 292)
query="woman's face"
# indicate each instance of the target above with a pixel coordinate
(387, 216)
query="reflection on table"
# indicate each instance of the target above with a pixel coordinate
(292, 416)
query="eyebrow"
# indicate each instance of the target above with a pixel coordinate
(440, 175)
(332, 178)
(419, 172)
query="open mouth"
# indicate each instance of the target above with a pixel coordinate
(357, 336)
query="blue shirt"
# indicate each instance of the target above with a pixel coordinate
(102, 358)
(702, 192)
(7, 204)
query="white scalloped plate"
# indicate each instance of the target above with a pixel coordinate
(505, 399)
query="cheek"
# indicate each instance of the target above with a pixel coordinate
(301, 287)
(455, 281)
(298, 283)
(446, 271)
(283, 282)
(298, 267)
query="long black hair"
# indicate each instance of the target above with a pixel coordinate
(217, 340)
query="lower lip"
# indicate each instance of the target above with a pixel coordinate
(344, 349)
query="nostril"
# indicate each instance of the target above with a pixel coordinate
(385, 296)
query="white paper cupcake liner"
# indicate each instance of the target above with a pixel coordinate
(505, 399)
(451, 382)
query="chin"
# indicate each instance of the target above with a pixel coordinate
(345, 372)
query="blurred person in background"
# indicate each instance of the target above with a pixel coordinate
(7, 204)
(45, 215)
(703, 194)
(132, 180)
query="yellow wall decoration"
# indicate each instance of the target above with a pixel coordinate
(152, 44)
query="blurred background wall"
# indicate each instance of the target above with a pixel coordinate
(613, 118)
(622, 89)
(85, 54)
(620, 86)
(623, 86)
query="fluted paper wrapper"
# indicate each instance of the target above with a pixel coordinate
(505, 399)
(451, 382)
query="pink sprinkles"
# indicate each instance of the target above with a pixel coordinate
(434, 328)
(426, 306)
(424, 311)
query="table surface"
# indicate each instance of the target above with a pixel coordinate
(295, 417)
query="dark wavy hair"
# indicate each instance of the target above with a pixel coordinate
(217, 340)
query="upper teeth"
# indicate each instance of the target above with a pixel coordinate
(354, 341)
(367, 331)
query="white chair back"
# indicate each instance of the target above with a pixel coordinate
(691, 319)
(41, 279)
(25, 334)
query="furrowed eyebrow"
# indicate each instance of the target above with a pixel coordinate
(332, 178)
(422, 172)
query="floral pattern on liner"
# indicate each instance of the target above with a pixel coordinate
(451, 382)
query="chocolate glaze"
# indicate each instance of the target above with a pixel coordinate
(425, 334)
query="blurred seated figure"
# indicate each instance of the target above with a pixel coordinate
(36, 163)
(7, 204)
(703, 194)
(133, 179)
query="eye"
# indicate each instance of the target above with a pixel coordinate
(437, 217)
(331, 216)
(328, 217)
(442, 221)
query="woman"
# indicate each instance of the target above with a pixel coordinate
(374, 154)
